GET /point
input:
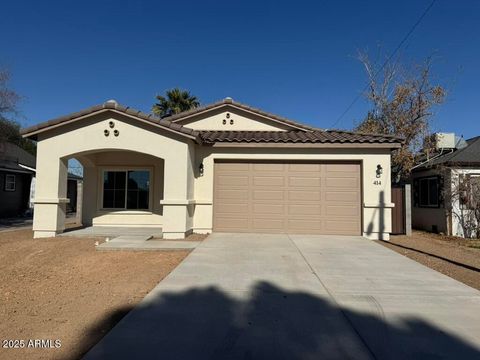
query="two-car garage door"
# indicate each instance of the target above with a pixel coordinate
(287, 197)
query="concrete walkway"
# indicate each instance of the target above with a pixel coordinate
(245, 296)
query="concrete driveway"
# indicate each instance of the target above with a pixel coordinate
(251, 296)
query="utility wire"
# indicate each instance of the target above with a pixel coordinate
(405, 38)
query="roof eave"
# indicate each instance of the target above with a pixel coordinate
(306, 145)
(33, 131)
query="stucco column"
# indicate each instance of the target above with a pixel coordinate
(78, 214)
(176, 200)
(50, 195)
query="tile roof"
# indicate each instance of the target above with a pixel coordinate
(305, 134)
(308, 137)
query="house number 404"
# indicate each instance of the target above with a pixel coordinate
(377, 182)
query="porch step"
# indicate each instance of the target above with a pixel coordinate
(140, 243)
(115, 231)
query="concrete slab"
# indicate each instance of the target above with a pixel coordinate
(252, 296)
(143, 243)
(236, 297)
(112, 231)
(401, 308)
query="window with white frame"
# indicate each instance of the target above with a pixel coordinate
(429, 192)
(9, 182)
(126, 189)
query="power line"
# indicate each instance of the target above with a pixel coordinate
(405, 38)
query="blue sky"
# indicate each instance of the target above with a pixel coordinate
(292, 58)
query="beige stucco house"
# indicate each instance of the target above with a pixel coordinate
(224, 167)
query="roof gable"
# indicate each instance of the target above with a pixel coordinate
(210, 117)
(33, 131)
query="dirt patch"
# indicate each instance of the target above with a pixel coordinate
(454, 257)
(196, 237)
(62, 288)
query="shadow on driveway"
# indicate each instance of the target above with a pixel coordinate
(267, 323)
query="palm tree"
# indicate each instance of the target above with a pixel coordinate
(175, 101)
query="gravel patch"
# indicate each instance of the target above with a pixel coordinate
(62, 288)
(455, 257)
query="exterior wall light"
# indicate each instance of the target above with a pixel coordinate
(201, 169)
(379, 170)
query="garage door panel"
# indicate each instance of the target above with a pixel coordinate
(301, 225)
(275, 209)
(268, 181)
(231, 224)
(339, 182)
(282, 197)
(305, 167)
(304, 181)
(304, 195)
(234, 208)
(342, 167)
(340, 226)
(232, 180)
(268, 224)
(342, 196)
(279, 167)
(304, 209)
(339, 210)
(232, 194)
(268, 195)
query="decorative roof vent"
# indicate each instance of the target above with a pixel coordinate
(112, 101)
(228, 99)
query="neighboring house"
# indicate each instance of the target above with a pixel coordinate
(224, 167)
(439, 202)
(17, 182)
(17, 167)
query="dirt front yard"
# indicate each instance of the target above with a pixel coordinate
(455, 257)
(63, 289)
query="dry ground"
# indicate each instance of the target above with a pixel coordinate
(456, 257)
(61, 288)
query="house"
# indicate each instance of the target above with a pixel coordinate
(17, 167)
(439, 202)
(17, 182)
(225, 167)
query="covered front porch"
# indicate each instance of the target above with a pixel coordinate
(141, 177)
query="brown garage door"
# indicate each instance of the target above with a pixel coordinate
(281, 197)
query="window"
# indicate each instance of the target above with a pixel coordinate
(126, 189)
(9, 182)
(429, 191)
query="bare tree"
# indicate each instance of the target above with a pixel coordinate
(463, 199)
(402, 100)
(9, 127)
